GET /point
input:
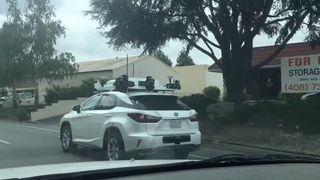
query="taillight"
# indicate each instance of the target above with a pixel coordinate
(194, 118)
(141, 118)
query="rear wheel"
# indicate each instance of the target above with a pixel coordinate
(181, 153)
(113, 146)
(66, 140)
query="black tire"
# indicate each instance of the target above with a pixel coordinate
(113, 146)
(28, 115)
(181, 153)
(66, 139)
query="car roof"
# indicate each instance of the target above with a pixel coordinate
(131, 94)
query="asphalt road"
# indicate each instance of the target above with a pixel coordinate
(26, 144)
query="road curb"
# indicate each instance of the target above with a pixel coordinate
(266, 148)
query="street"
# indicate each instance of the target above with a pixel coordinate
(26, 144)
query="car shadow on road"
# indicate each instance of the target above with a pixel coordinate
(90, 154)
(99, 155)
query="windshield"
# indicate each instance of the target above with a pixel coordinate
(108, 80)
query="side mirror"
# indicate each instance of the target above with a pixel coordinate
(76, 108)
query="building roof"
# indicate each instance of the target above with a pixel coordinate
(107, 64)
(192, 66)
(261, 53)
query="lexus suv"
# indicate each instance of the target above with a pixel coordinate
(128, 124)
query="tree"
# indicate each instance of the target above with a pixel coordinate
(13, 66)
(162, 57)
(43, 30)
(103, 81)
(27, 46)
(184, 59)
(208, 25)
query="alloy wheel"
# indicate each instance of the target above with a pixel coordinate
(113, 149)
(66, 138)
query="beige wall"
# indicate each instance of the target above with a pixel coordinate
(195, 78)
(75, 80)
(148, 66)
(215, 79)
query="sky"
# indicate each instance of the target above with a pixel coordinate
(84, 40)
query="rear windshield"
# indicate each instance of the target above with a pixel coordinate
(152, 102)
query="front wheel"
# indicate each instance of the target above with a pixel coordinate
(114, 147)
(66, 140)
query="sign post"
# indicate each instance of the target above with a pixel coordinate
(300, 74)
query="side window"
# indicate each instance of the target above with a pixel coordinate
(107, 102)
(91, 103)
(120, 103)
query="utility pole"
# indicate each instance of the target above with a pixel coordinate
(127, 73)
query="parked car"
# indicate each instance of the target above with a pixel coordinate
(7, 101)
(132, 123)
(2, 100)
(28, 99)
(23, 99)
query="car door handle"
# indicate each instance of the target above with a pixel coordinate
(108, 115)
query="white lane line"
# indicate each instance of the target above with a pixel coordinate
(34, 127)
(196, 156)
(3, 141)
(44, 129)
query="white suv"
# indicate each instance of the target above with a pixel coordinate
(131, 124)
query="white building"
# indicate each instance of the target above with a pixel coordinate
(112, 68)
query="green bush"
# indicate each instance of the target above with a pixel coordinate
(51, 97)
(68, 93)
(56, 93)
(302, 116)
(212, 92)
(86, 89)
(198, 102)
(291, 98)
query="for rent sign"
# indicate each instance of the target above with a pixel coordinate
(300, 74)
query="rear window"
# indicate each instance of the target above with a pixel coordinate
(153, 102)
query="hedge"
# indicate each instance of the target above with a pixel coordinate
(198, 102)
(303, 116)
(56, 93)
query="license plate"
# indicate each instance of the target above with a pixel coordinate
(175, 124)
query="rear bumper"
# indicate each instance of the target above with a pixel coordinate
(148, 144)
